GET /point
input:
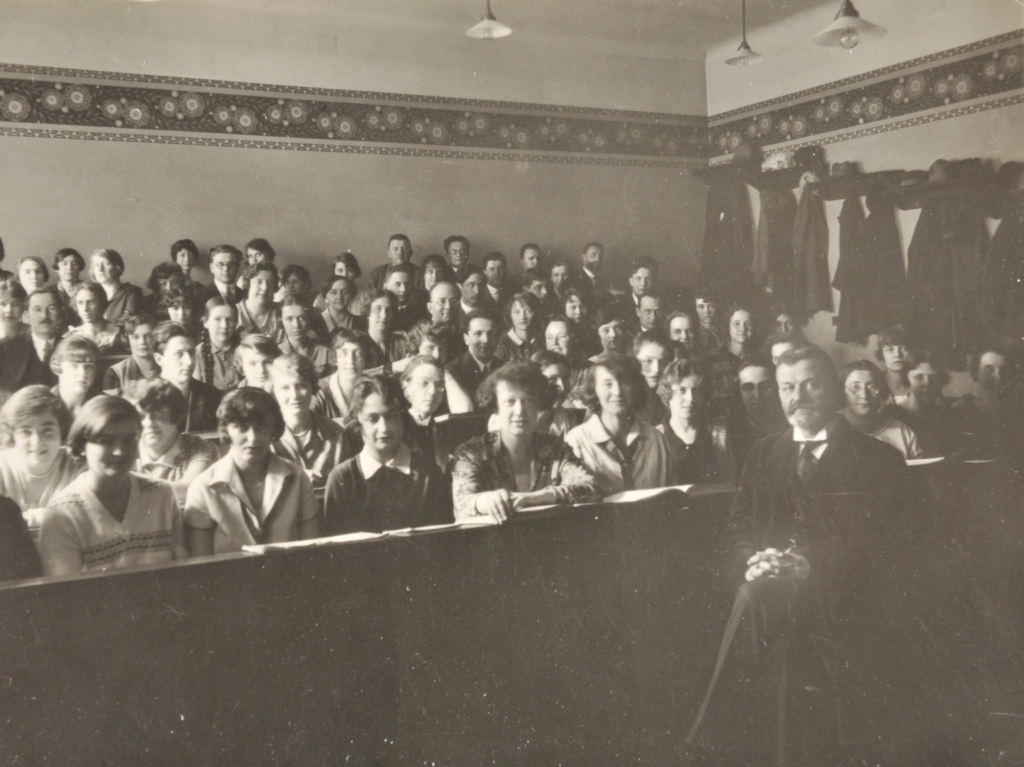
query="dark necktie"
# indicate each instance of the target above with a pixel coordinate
(807, 462)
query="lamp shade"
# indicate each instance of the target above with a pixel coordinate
(848, 30)
(744, 56)
(488, 29)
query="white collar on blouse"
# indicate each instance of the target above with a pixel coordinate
(370, 465)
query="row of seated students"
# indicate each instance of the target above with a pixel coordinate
(679, 403)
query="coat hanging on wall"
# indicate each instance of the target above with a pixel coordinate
(773, 249)
(883, 254)
(852, 279)
(944, 263)
(812, 291)
(1002, 284)
(728, 242)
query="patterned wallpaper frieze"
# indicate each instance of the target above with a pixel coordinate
(950, 85)
(355, 124)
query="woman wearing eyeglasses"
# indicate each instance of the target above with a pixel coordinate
(866, 394)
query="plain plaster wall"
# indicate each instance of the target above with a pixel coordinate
(138, 198)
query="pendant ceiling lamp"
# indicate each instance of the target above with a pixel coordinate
(848, 30)
(490, 28)
(744, 55)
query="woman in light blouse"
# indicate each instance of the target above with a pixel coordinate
(258, 314)
(249, 496)
(516, 467)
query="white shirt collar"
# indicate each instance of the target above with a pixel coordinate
(799, 435)
(223, 288)
(589, 273)
(370, 465)
(515, 338)
(465, 309)
(493, 290)
(167, 459)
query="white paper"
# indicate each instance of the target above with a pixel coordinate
(263, 548)
(923, 461)
(631, 496)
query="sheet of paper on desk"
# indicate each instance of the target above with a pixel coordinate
(923, 461)
(631, 496)
(264, 548)
(425, 529)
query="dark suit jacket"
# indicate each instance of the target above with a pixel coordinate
(468, 373)
(20, 366)
(206, 292)
(378, 274)
(203, 401)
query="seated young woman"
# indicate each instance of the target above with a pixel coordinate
(388, 346)
(699, 445)
(620, 450)
(866, 394)
(163, 278)
(336, 295)
(423, 386)
(522, 339)
(109, 517)
(34, 466)
(69, 265)
(313, 441)
(743, 339)
(90, 304)
(185, 254)
(351, 350)
(681, 327)
(562, 336)
(561, 417)
(179, 305)
(300, 338)
(140, 366)
(892, 349)
(515, 466)
(653, 352)
(13, 300)
(123, 298)
(33, 274)
(215, 353)
(258, 314)
(426, 339)
(925, 410)
(434, 269)
(165, 452)
(74, 363)
(253, 358)
(387, 486)
(250, 495)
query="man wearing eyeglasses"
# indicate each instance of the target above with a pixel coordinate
(444, 309)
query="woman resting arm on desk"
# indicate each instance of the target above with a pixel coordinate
(516, 467)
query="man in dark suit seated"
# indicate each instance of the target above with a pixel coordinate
(175, 353)
(456, 248)
(408, 309)
(25, 358)
(444, 308)
(480, 333)
(225, 263)
(812, 532)
(399, 252)
(642, 276)
(592, 263)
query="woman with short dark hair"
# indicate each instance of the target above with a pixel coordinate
(165, 452)
(925, 410)
(866, 394)
(109, 517)
(620, 450)
(91, 306)
(516, 467)
(249, 496)
(69, 264)
(521, 341)
(185, 254)
(351, 351)
(387, 486)
(123, 298)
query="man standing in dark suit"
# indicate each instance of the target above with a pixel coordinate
(25, 358)
(225, 263)
(480, 333)
(811, 532)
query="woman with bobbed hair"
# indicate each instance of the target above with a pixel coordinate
(249, 496)
(620, 450)
(314, 442)
(13, 301)
(387, 486)
(786, 320)
(165, 452)
(925, 410)
(69, 264)
(179, 305)
(33, 274)
(700, 446)
(521, 340)
(258, 314)
(893, 346)
(743, 332)
(562, 335)
(34, 466)
(109, 517)
(123, 298)
(91, 306)
(337, 295)
(351, 351)
(516, 467)
(74, 363)
(866, 395)
(185, 254)
(435, 269)
(163, 278)
(423, 386)
(435, 340)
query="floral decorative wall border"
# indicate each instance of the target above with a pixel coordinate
(342, 120)
(956, 84)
